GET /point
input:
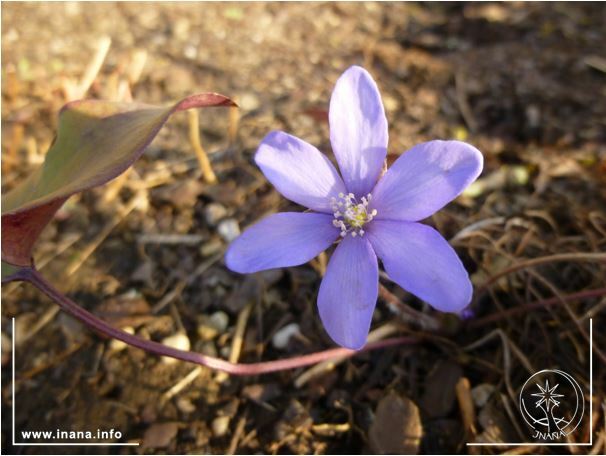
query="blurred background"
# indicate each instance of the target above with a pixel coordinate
(523, 82)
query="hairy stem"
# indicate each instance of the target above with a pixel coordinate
(35, 278)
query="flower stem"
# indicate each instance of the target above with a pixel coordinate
(35, 278)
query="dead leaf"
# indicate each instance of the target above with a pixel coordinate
(96, 141)
(440, 394)
(160, 435)
(397, 427)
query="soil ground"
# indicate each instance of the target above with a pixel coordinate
(524, 82)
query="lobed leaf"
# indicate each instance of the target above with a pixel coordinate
(96, 141)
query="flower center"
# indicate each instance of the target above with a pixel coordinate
(350, 214)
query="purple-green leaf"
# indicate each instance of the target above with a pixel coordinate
(96, 141)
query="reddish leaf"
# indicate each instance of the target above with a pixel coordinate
(96, 141)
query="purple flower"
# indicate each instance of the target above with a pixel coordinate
(372, 216)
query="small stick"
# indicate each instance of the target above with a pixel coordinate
(469, 229)
(248, 437)
(319, 264)
(234, 122)
(136, 65)
(468, 415)
(194, 138)
(94, 66)
(114, 187)
(463, 103)
(78, 90)
(233, 444)
(53, 362)
(181, 384)
(508, 347)
(586, 294)
(328, 365)
(180, 286)
(571, 314)
(238, 340)
(46, 317)
(15, 143)
(171, 239)
(524, 449)
(59, 249)
(513, 418)
(107, 229)
(589, 257)
(329, 429)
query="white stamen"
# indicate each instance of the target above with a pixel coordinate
(350, 215)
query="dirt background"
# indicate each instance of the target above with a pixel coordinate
(525, 83)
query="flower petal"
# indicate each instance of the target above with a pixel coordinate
(299, 171)
(358, 130)
(348, 293)
(281, 240)
(425, 179)
(419, 259)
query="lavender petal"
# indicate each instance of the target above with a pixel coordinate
(281, 240)
(358, 129)
(419, 259)
(299, 171)
(348, 293)
(425, 179)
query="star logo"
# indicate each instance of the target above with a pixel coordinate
(552, 404)
(548, 396)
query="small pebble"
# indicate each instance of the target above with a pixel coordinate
(229, 229)
(190, 51)
(219, 320)
(225, 351)
(211, 326)
(249, 101)
(160, 435)
(283, 335)
(185, 405)
(207, 348)
(207, 332)
(117, 345)
(220, 425)
(211, 247)
(391, 104)
(214, 212)
(178, 341)
(481, 393)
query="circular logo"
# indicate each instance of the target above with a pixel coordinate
(552, 404)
